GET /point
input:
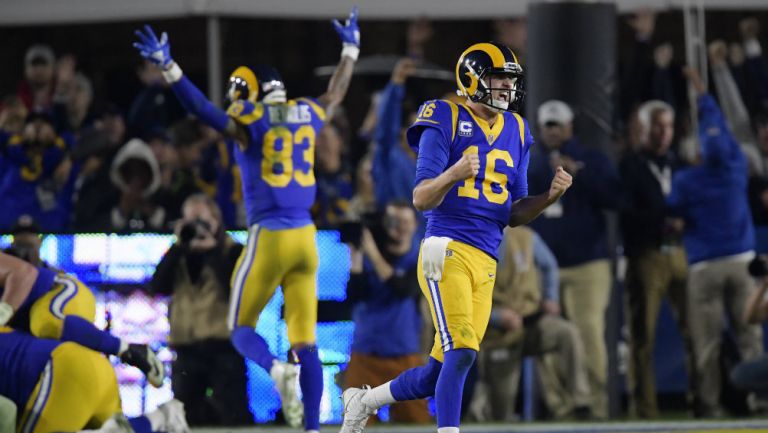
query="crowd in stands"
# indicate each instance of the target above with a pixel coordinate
(690, 193)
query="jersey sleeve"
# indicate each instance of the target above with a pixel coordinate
(438, 115)
(247, 114)
(520, 187)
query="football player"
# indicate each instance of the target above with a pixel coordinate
(58, 306)
(64, 387)
(275, 152)
(470, 182)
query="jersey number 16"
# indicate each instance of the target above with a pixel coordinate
(490, 177)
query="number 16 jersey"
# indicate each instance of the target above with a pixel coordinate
(476, 210)
(277, 162)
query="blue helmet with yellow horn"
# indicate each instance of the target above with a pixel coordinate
(477, 63)
(260, 83)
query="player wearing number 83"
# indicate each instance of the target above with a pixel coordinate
(471, 181)
(275, 150)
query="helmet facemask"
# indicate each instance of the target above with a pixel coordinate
(506, 99)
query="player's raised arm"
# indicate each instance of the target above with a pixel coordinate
(339, 83)
(17, 278)
(528, 208)
(158, 51)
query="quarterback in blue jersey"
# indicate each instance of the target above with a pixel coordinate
(64, 387)
(471, 182)
(58, 306)
(275, 152)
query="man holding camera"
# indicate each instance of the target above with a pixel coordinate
(195, 272)
(385, 291)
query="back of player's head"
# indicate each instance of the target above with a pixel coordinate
(271, 85)
(475, 67)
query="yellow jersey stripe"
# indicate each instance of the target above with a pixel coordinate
(521, 126)
(454, 118)
(491, 133)
(315, 106)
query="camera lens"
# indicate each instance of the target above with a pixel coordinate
(187, 233)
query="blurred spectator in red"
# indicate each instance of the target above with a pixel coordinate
(136, 175)
(155, 106)
(37, 176)
(36, 90)
(334, 182)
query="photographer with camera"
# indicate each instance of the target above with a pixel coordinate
(195, 272)
(752, 375)
(384, 291)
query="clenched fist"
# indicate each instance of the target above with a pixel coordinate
(560, 183)
(467, 166)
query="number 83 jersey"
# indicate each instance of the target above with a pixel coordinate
(476, 210)
(277, 163)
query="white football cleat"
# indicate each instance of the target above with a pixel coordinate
(175, 418)
(286, 377)
(356, 413)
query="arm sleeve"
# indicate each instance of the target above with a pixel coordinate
(717, 144)
(163, 279)
(433, 155)
(387, 136)
(733, 106)
(193, 100)
(547, 264)
(520, 187)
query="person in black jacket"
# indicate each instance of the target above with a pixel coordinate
(656, 259)
(195, 272)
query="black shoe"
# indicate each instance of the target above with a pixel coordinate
(143, 358)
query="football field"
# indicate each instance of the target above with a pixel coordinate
(743, 426)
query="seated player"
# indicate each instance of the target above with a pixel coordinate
(64, 387)
(58, 306)
(275, 150)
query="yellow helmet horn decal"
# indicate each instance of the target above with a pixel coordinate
(247, 74)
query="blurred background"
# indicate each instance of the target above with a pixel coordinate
(74, 92)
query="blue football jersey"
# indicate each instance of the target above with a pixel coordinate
(277, 163)
(475, 211)
(22, 360)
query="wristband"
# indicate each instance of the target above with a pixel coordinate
(172, 74)
(351, 51)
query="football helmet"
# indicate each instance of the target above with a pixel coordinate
(474, 68)
(261, 83)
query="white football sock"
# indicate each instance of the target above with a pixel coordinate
(379, 396)
(448, 430)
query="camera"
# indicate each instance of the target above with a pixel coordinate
(758, 267)
(352, 232)
(193, 229)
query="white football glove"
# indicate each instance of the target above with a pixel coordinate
(6, 312)
(433, 256)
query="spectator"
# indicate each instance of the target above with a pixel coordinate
(13, 114)
(575, 229)
(195, 272)
(364, 200)
(36, 90)
(37, 176)
(526, 321)
(753, 375)
(72, 105)
(384, 289)
(221, 176)
(334, 182)
(656, 263)
(188, 140)
(756, 90)
(167, 158)
(95, 194)
(155, 106)
(394, 163)
(26, 242)
(136, 175)
(719, 239)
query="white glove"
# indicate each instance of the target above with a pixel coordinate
(433, 256)
(6, 312)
